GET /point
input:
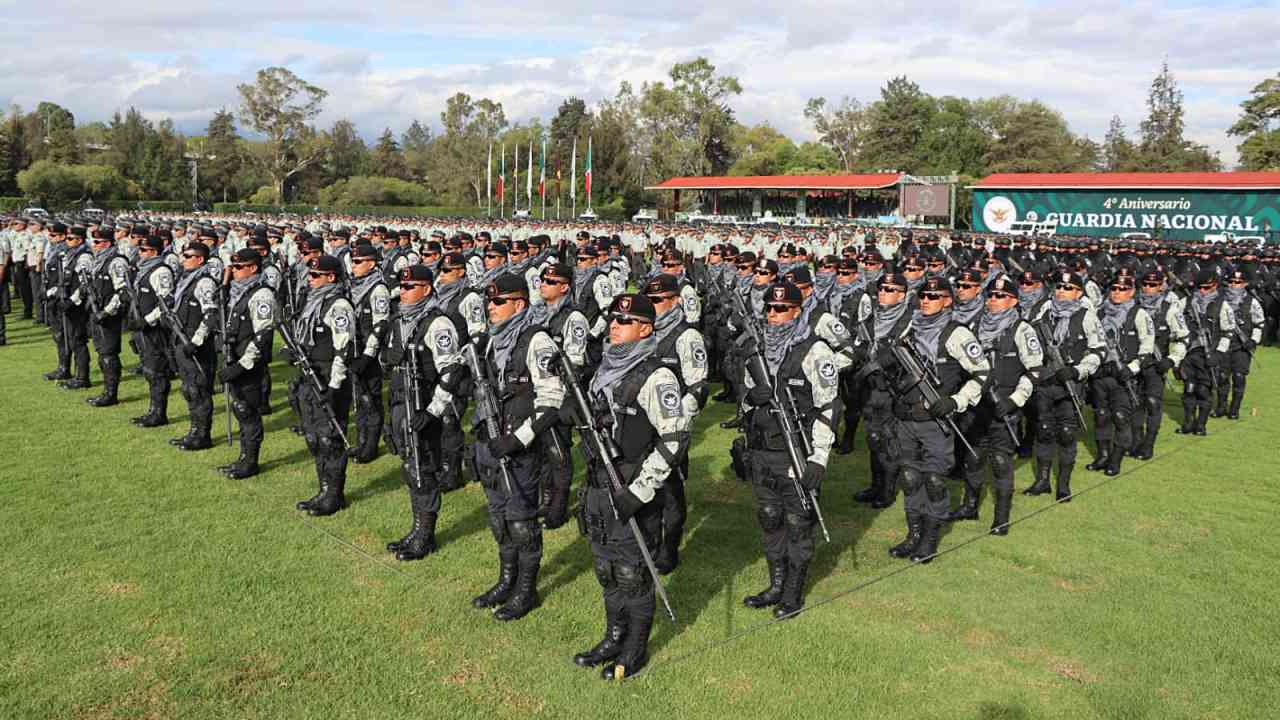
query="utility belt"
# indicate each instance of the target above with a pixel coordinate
(913, 411)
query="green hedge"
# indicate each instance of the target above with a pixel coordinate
(11, 204)
(381, 211)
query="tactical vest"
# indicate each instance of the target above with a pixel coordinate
(364, 318)
(585, 300)
(187, 308)
(910, 404)
(395, 354)
(513, 384)
(666, 352)
(240, 330)
(764, 431)
(145, 299)
(1075, 346)
(1161, 323)
(555, 323)
(321, 351)
(1127, 343)
(1244, 322)
(632, 433)
(70, 279)
(103, 286)
(454, 311)
(1006, 364)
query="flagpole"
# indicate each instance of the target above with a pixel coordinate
(528, 181)
(542, 180)
(502, 183)
(488, 184)
(588, 174)
(515, 195)
(559, 191)
(573, 180)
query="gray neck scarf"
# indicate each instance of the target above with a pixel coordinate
(1029, 298)
(305, 325)
(667, 322)
(147, 265)
(102, 257)
(408, 317)
(1233, 296)
(1061, 311)
(619, 360)
(913, 285)
(993, 326)
(870, 277)
(542, 312)
(188, 279)
(361, 286)
(1113, 316)
(887, 317)
(240, 287)
(926, 331)
(502, 338)
(1201, 301)
(966, 311)
(582, 282)
(1151, 303)
(444, 295)
(824, 283)
(778, 339)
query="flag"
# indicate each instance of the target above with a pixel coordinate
(542, 173)
(503, 174)
(528, 179)
(573, 172)
(515, 186)
(586, 174)
(488, 174)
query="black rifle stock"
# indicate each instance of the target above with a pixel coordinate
(1055, 357)
(487, 406)
(923, 379)
(311, 379)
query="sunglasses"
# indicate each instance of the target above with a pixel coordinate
(1028, 283)
(892, 290)
(499, 301)
(1121, 288)
(410, 286)
(553, 282)
(936, 263)
(1235, 281)
(241, 266)
(999, 295)
(764, 273)
(671, 265)
(660, 298)
(624, 321)
(847, 273)
(777, 308)
(1152, 285)
(826, 267)
(188, 256)
(320, 274)
(913, 268)
(1207, 287)
(487, 256)
(967, 285)
(932, 296)
(357, 261)
(1068, 288)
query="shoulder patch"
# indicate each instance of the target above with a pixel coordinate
(381, 303)
(1033, 343)
(264, 310)
(543, 360)
(973, 350)
(669, 400)
(579, 332)
(165, 282)
(838, 329)
(699, 356)
(827, 373)
(443, 341)
(341, 321)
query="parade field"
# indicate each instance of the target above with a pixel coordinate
(137, 582)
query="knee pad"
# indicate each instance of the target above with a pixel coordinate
(1155, 406)
(935, 486)
(604, 573)
(1001, 465)
(1102, 417)
(799, 527)
(1044, 430)
(874, 440)
(631, 579)
(1122, 417)
(1238, 378)
(526, 534)
(1066, 435)
(770, 517)
(498, 526)
(909, 480)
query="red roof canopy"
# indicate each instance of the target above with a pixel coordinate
(782, 182)
(1134, 181)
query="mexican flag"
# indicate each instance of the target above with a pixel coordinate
(503, 174)
(586, 174)
(542, 173)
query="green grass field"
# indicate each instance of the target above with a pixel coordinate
(139, 583)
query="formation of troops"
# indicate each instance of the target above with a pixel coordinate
(957, 354)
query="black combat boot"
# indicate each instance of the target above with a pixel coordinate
(331, 498)
(1114, 460)
(177, 442)
(1202, 420)
(1237, 398)
(423, 540)
(771, 595)
(872, 492)
(196, 440)
(968, 509)
(525, 597)
(904, 549)
(615, 630)
(928, 547)
(736, 422)
(1064, 483)
(1100, 463)
(724, 396)
(635, 646)
(501, 591)
(845, 446)
(888, 491)
(59, 374)
(244, 467)
(792, 591)
(1004, 504)
(668, 556)
(1041, 485)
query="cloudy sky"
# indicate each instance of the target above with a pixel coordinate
(385, 64)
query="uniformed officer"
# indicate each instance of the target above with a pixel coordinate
(1130, 334)
(922, 440)
(1246, 335)
(1012, 347)
(800, 376)
(6, 262)
(569, 330)
(251, 321)
(1211, 323)
(106, 287)
(372, 302)
(73, 303)
(673, 264)
(1169, 350)
(51, 305)
(465, 307)
(196, 309)
(519, 361)
(324, 330)
(152, 291)
(422, 355)
(681, 346)
(637, 402)
(1071, 326)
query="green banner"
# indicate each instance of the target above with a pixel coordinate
(1170, 214)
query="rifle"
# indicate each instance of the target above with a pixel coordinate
(175, 326)
(604, 452)
(1056, 359)
(487, 406)
(226, 356)
(991, 388)
(1113, 358)
(411, 407)
(923, 377)
(793, 421)
(1203, 338)
(86, 284)
(311, 379)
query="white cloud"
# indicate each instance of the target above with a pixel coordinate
(1090, 59)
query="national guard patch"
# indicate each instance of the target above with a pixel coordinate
(669, 400)
(1033, 344)
(827, 373)
(579, 332)
(444, 342)
(690, 303)
(341, 322)
(264, 310)
(699, 356)
(537, 282)
(973, 350)
(838, 329)
(543, 359)
(165, 281)
(477, 313)
(382, 304)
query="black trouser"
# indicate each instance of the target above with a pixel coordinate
(995, 447)
(107, 344)
(625, 582)
(452, 442)
(368, 409)
(153, 344)
(513, 509)
(675, 507)
(853, 395)
(22, 283)
(882, 453)
(77, 340)
(1233, 373)
(925, 455)
(1056, 426)
(418, 448)
(317, 418)
(1197, 389)
(246, 404)
(786, 524)
(1112, 412)
(1149, 412)
(58, 328)
(196, 372)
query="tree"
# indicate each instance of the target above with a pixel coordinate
(1163, 147)
(347, 154)
(461, 152)
(220, 157)
(375, 190)
(1118, 152)
(166, 174)
(280, 105)
(958, 139)
(415, 143)
(1260, 149)
(570, 123)
(387, 160)
(1035, 138)
(60, 184)
(13, 157)
(761, 150)
(896, 127)
(840, 128)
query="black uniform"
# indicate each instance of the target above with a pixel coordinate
(73, 303)
(107, 291)
(372, 302)
(249, 333)
(152, 290)
(196, 308)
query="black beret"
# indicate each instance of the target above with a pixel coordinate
(1031, 276)
(540, 240)
(313, 244)
(800, 276)
(364, 250)
(437, 233)
(433, 246)
(246, 256)
(785, 293)
(767, 264)
(326, 263)
(259, 241)
(936, 284)
(559, 271)
(198, 248)
(848, 264)
(482, 235)
(895, 279)
(662, 284)
(587, 252)
(416, 273)
(1003, 283)
(1153, 276)
(453, 261)
(507, 284)
(519, 246)
(56, 228)
(1073, 279)
(971, 275)
(497, 248)
(140, 230)
(154, 242)
(871, 254)
(747, 258)
(102, 233)
(634, 306)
